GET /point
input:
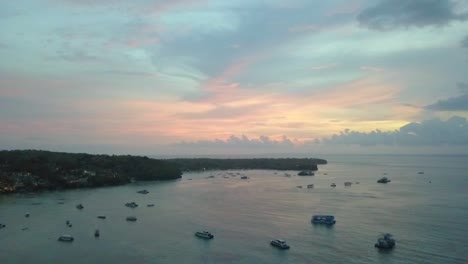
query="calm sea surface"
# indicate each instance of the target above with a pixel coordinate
(427, 213)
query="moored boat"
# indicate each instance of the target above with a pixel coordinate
(323, 219)
(279, 243)
(204, 234)
(66, 238)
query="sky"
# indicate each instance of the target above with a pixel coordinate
(244, 76)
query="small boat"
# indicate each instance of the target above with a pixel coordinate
(244, 177)
(333, 185)
(210, 177)
(348, 184)
(96, 233)
(386, 241)
(325, 173)
(131, 218)
(131, 204)
(80, 206)
(66, 238)
(26, 228)
(310, 186)
(279, 243)
(204, 234)
(143, 192)
(26, 215)
(2, 226)
(189, 179)
(101, 217)
(299, 186)
(150, 205)
(421, 172)
(383, 180)
(357, 182)
(306, 173)
(67, 222)
(323, 219)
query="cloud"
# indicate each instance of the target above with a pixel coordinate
(458, 103)
(391, 14)
(464, 42)
(432, 132)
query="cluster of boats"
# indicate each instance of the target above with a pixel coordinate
(279, 243)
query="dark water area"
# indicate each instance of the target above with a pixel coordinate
(427, 213)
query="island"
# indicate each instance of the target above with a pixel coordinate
(36, 170)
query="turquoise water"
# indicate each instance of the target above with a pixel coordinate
(429, 220)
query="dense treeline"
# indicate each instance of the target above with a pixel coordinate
(228, 164)
(33, 169)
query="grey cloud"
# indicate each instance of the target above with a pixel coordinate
(458, 103)
(464, 42)
(391, 14)
(434, 132)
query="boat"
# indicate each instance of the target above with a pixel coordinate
(244, 177)
(348, 184)
(204, 234)
(65, 238)
(310, 186)
(131, 218)
(421, 172)
(279, 243)
(333, 185)
(323, 219)
(80, 206)
(150, 205)
(131, 204)
(299, 186)
(386, 241)
(383, 180)
(96, 233)
(143, 192)
(306, 173)
(26, 215)
(2, 226)
(101, 217)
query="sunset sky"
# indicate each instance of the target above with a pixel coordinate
(145, 75)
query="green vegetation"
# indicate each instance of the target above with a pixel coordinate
(33, 170)
(247, 164)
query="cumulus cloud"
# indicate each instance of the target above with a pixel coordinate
(458, 103)
(238, 144)
(433, 132)
(391, 14)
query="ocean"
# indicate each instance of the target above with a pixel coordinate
(427, 214)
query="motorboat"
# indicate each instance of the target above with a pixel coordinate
(96, 233)
(333, 185)
(421, 172)
(131, 218)
(2, 226)
(244, 177)
(306, 173)
(383, 180)
(80, 206)
(299, 186)
(65, 238)
(310, 186)
(150, 205)
(386, 241)
(279, 243)
(348, 184)
(323, 219)
(204, 234)
(143, 192)
(131, 204)
(101, 217)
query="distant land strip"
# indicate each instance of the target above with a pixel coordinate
(36, 170)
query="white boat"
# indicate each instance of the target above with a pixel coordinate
(204, 234)
(279, 243)
(66, 238)
(131, 218)
(323, 219)
(383, 180)
(131, 205)
(386, 241)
